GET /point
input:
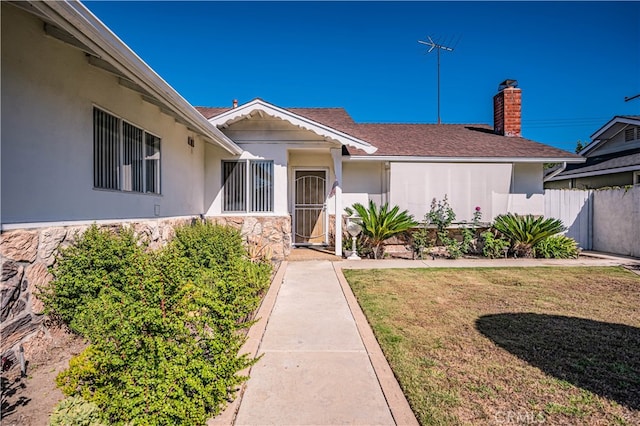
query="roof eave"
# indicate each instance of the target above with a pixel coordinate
(75, 18)
(245, 111)
(424, 159)
(593, 173)
(596, 138)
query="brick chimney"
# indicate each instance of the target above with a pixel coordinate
(507, 109)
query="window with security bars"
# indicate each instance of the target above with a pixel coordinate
(125, 157)
(247, 186)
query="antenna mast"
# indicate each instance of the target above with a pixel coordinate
(433, 45)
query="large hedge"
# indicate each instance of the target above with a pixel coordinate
(164, 326)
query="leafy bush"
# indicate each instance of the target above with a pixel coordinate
(524, 232)
(441, 215)
(164, 328)
(557, 247)
(99, 258)
(469, 233)
(493, 247)
(380, 223)
(362, 249)
(421, 240)
(74, 410)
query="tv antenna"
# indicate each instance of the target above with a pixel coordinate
(628, 98)
(438, 47)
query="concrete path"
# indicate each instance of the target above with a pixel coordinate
(587, 259)
(321, 363)
(315, 369)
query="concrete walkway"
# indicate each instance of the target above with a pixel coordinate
(321, 364)
(315, 369)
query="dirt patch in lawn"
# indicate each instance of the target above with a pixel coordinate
(510, 345)
(28, 401)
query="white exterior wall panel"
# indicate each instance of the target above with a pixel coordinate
(363, 181)
(272, 139)
(496, 188)
(48, 93)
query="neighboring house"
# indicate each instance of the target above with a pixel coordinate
(612, 159)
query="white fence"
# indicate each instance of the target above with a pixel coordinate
(605, 220)
(575, 210)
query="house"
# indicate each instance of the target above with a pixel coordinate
(612, 158)
(319, 161)
(91, 134)
(113, 142)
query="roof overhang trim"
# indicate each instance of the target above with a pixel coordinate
(74, 18)
(601, 136)
(260, 107)
(420, 159)
(594, 173)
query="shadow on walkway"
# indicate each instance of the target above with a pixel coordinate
(601, 357)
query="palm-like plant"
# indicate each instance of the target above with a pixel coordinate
(524, 232)
(380, 223)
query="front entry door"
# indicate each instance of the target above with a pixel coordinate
(309, 207)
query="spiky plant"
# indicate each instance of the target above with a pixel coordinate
(526, 231)
(557, 247)
(380, 223)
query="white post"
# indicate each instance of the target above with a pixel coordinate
(336, 154)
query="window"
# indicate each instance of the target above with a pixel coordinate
(247, 186)
(125, 157)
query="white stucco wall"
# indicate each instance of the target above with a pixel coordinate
(363, 181)
(48, 93)
(496, 188)
(271, 139)
(616, 221)
(527, 192)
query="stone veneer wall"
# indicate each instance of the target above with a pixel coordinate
(27, 254)
(272, 231)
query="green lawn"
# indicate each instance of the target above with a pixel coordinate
(509, 345)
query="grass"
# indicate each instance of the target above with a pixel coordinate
(509, 345)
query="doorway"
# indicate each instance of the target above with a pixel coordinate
(310, 218)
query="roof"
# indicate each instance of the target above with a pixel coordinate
(332, 124)
(71, 22)
(614, 126)
(446, 141)
(603, 164)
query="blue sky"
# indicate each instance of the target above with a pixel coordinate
(575, 61)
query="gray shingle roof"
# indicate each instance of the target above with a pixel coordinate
(424, 140)
(604, 162)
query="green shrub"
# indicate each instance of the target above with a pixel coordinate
(557, 247)
(441, 215)
(76, 411)
(362, 248)
(210, 246)
(99, 258)
(380, 223)
(165, 330)
(524, 232)
(493, 247)
(421, 240)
